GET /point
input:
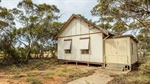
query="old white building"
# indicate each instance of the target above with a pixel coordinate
(81, 41)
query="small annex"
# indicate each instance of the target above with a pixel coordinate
(82, 41)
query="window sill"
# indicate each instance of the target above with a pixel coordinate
(85, 54)
(68, 53)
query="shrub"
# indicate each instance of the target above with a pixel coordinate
(34, 80)
(140, 79)
(34, 73)
(49, 73)
(15, 70)
(141, 76)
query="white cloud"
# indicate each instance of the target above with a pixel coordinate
(67, 7)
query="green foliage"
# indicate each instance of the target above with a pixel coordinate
(120, 16)
(7, 38)
(34, 73)
(142, 76)
(123, 15)
(34, 80)
(145, 68)
(49, 73)
(15, 70)
(37, 32)
(62, 71)
(140, 79)
(144, 36)
(119, 28)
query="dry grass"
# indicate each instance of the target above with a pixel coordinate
(33, 80)
(47, 70)
(138, 76)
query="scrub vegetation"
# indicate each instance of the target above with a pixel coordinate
(49, 71)
(22, 50)
(140, 75)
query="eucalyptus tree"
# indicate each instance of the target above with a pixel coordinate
(47, 38)
(144, 36)
(31, 16)
(46, 32)
(48, 28)
(123, 12)
(7, 36)
(125, 15)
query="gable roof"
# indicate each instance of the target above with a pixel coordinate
(80, 18)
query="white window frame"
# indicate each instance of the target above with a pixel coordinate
(67, 46)
(85, 45)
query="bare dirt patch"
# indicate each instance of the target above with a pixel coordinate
(49, 71)
(42, 72)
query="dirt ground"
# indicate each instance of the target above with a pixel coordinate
(100, 76)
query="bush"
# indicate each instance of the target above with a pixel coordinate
(141, 76)
(145, 68)
(34, 73)
(15, 70)
(34, 80)
(140, 79)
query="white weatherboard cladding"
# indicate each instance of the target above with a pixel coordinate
(68, 56)
(84, 28)
(118, 51)
(67, 45)
(60, 48)
(96, 47)
(134, 55)
(84, 57)
(79, 29)
(75, 49)
(71, 29)
(84, 44)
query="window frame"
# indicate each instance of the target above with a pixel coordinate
(68, 51)
(85, 51)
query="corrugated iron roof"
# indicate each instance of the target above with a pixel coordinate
(131, 36)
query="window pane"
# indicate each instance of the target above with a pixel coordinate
(86, 51)
(67, 51)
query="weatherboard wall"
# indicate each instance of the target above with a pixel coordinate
(133, 52)
(75, 30)
(120, 51)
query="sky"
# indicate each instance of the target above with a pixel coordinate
(66, 7)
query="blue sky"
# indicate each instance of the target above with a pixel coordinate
(67, 7)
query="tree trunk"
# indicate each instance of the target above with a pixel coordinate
(53, 54)
(41, 54)
(28, 55)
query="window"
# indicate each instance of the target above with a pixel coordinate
(85, 51)
(84, 45)
(67, 46)
(68, 51)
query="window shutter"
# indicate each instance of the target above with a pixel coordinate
(67, 45)
(84, 44)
